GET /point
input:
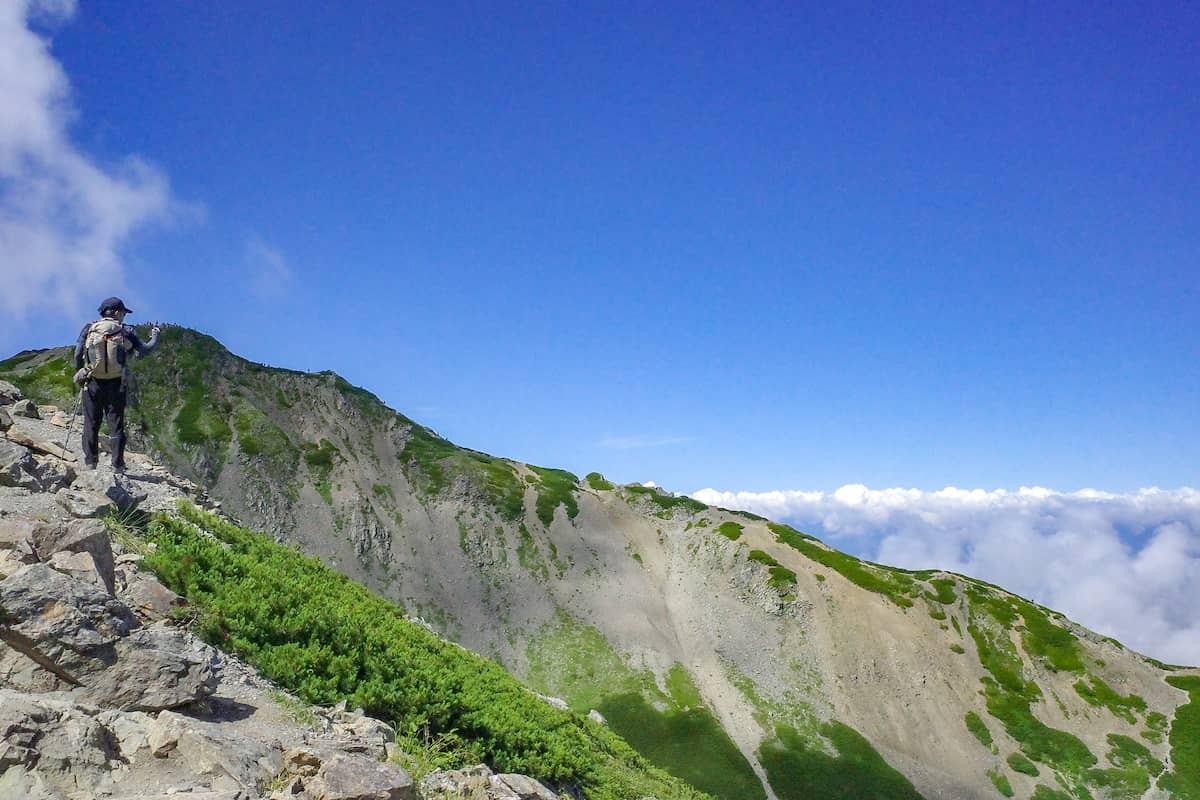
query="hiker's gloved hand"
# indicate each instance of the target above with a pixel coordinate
(81, 377)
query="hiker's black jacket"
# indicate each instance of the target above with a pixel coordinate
(139, 347)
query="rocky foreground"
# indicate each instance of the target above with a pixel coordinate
(104, 693)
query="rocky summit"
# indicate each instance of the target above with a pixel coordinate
(104, 690)
(742, 657)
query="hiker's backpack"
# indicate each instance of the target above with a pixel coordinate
(105, 347)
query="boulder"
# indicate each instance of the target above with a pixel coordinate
(20, 782)
(145, 595)
(209, 750)
(467, 782)
(17, 467)
(12, 559)
(78, 536)
(80, 566)
(85, 505)
(125, 494)
(354, 777)
(524, 787)
(9, 394)
(368, 734)
(157, 667)
(302, 761)
(5, 420)
(40, 445)
(54, 473)
(24, 408)
(48, 411)
(131, 730)
(70, 750)
(72, 623)
(14, 530)
(60, 419)
(23, 722)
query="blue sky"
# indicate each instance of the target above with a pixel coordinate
(752, 247)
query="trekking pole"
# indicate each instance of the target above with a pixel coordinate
(71, 422)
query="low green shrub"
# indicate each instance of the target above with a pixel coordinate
(944, 588)
(555, 487)
(763, 557)
(1099, 694)
(1042, 792)
(730, 530)
(327, 639)
(1019, 763)
(1184, 779)
(798, 769)
(979, 730)
(597, 482)
(667, 502)
(896, 586)
(1000, 781)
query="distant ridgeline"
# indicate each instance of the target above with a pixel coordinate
(731, 652)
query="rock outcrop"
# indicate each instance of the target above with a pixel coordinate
(103, 695)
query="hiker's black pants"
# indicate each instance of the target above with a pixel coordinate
(104, 398)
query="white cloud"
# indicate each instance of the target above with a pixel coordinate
(1125, 565)
(269, 273)
(63, 217)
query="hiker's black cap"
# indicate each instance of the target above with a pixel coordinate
(114, 304)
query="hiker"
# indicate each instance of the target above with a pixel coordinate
(100, 356)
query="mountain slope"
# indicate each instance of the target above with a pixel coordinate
(739, 654)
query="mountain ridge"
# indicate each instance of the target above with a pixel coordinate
(533, 566)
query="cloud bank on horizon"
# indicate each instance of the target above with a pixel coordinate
(64, 217)
(1125, 565)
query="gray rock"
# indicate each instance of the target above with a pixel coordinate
(352, 777)
(468, 782)
(20, 782)
(14, 530)
(131, 729)
(54, 473)
(190, 793)
(157, 667)
(78, 536)
(22, 723)
(73, 623)
(12, 559)
(74, 753)
(369, 735)
(84, 505)
(5, 420)
(9, 394)
(117, 488)
(70, 750)
(207, 750)
(17, 466)
(50, 607)
(80, 566)
(27, 439)
(145, 595)
(525, 787)
(25, 408)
